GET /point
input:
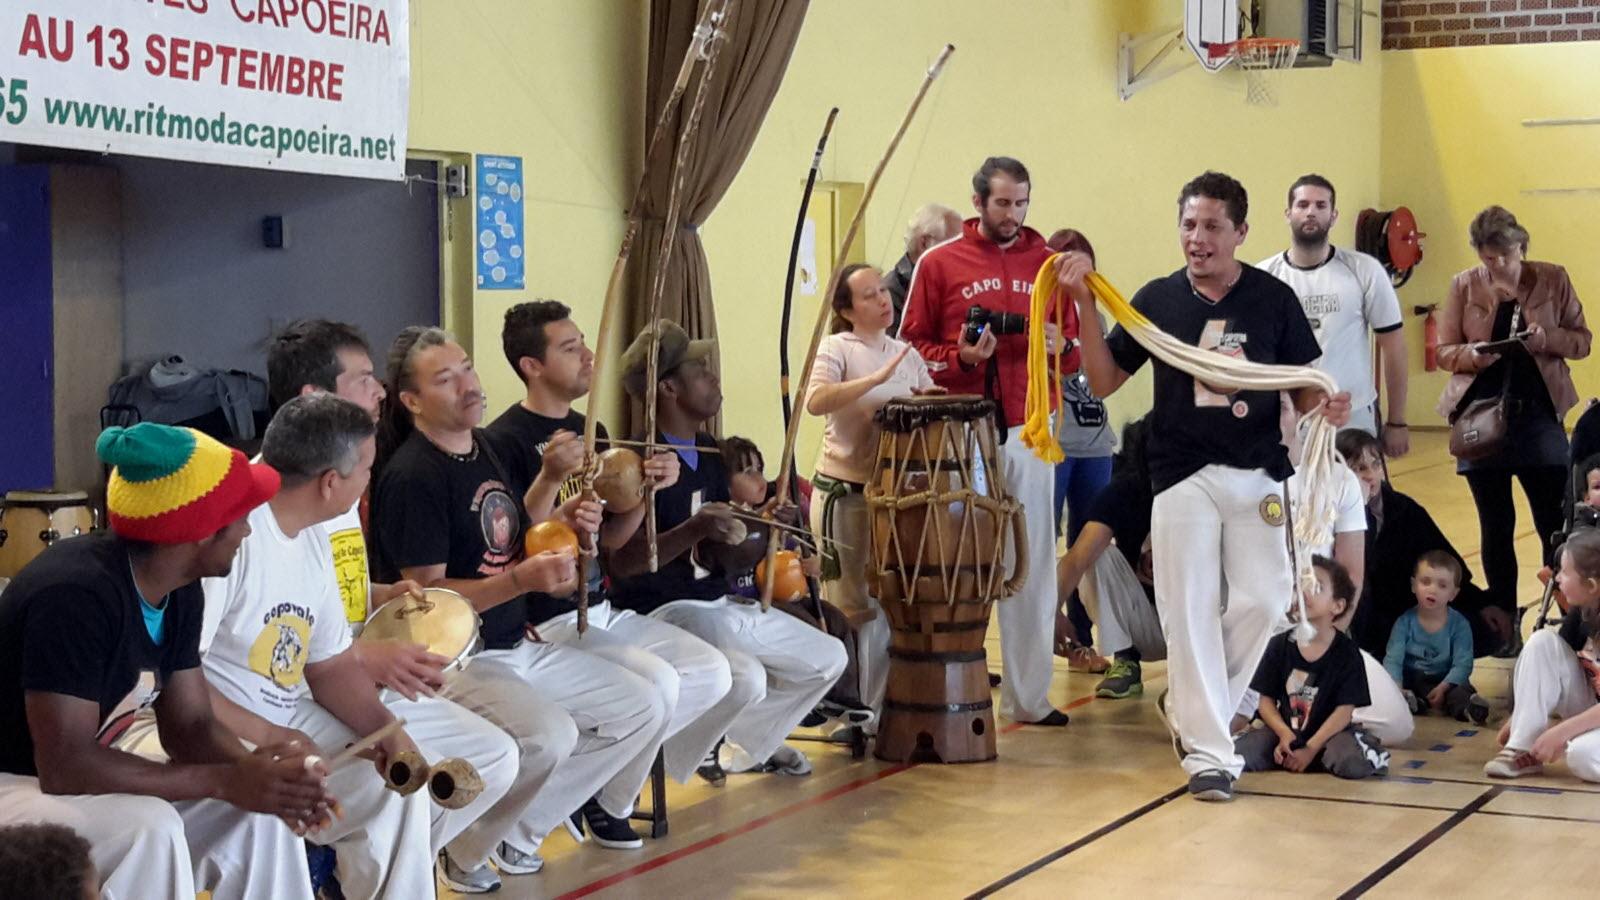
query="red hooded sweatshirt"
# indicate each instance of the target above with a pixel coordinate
(972, 270)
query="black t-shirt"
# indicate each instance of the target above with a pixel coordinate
(1307, 693)
(1261, 320)
(432, 507)
(684, 578)
(70, 624)
(1123, 506)
(523, 435)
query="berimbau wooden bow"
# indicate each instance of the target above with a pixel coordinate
(605, 337)
(786, 461)
(658, 284)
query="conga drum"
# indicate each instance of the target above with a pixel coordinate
(941, 518)
(32, 521)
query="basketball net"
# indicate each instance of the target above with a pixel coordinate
(1262, 60)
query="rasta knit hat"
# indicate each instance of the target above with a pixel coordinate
(176, 485)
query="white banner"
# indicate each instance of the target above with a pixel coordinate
(304, 85)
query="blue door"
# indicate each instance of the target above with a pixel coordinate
(27, 446)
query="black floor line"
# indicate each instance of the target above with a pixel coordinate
(1355, 800)
(1531, 788)
(1421, 843)
(1588, 820)
(1078, 844)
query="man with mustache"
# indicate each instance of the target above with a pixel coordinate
(1346, 295)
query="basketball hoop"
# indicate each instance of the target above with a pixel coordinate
(1262, 60)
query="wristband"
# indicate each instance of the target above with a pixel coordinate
(1395, 425)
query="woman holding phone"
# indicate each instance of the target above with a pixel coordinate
(1508, 329)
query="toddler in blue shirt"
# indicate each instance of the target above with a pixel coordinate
(1430, 648)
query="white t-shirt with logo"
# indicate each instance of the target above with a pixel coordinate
(277, 611)
(349, 548)
(1345, 298)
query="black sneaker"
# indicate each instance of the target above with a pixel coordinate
(1478, 709)
(1214, 785)
(814, 718)
(710, 768)
(608, 830)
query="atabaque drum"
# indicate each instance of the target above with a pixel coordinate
(942, 528)
(442, 620)
(32, 521)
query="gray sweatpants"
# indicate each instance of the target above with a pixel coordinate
(1352, 753)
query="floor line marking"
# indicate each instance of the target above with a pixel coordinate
(1420, 844)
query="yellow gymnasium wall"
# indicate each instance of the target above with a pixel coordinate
(1454, 142)
(1035, 80)
(559, 83)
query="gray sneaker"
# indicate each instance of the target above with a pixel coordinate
(1123, 680)
(481, 880)
(513, 861)
(1213, 784)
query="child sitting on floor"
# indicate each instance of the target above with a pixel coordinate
(1310, 691)
(1558, 675)
(1430, 648)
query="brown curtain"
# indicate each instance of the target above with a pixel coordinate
(754, 55)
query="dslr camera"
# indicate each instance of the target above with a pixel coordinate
(979, 318)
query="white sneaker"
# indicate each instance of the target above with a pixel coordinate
(1511, 763)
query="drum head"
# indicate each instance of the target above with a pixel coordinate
(907, 414)
(46, 499)
(448, 627)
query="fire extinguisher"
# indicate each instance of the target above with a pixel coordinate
(1430, 336)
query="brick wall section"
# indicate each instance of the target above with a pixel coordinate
(1417, 24)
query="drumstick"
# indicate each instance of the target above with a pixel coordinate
(366, 743)
(738, 514)
(619, 442)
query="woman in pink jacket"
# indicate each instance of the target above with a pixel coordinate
(1508, 297)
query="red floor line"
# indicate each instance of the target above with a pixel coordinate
(761, 821)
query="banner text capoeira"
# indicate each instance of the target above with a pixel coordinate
(305, 85)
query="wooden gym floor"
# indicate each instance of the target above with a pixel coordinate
(1098, 808)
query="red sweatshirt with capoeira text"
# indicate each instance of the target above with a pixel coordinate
(971, 270)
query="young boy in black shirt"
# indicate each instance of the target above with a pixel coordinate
(1310, 692)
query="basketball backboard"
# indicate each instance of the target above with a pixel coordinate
(1207, 22)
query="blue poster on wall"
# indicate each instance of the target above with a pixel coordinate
(500, 243)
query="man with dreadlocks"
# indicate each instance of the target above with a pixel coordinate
(578, 719)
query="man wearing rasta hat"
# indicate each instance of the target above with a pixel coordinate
(100, 626)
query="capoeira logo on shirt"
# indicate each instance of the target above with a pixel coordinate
(1302, 696)
(1318, 307)
(350, 568)
(278, 653)
(500, 523)
(1216, 337)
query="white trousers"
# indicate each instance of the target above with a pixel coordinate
(578, 720)
(1028, 620)
(1125, 615)
(690, 676)
(1550, 682)
(852, 528)
(148, 849)
(1210, 539)
(781, 667)
(385, 843)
